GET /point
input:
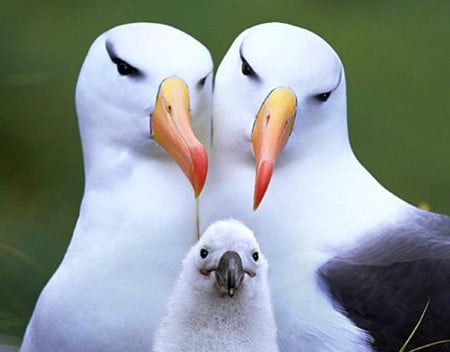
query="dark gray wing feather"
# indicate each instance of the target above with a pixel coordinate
(385, 283)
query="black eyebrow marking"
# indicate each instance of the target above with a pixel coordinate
(132, 70)
(253, 76)
(201, 83)
(339, 81)
(110, 50)
(240, 53)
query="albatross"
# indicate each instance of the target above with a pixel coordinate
(137, 90)
(353, 266)
(221, 301)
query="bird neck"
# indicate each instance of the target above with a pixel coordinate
(337, 197)
(128, 194)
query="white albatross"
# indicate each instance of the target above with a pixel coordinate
(221, 302)
(352, 265)
(134, 93)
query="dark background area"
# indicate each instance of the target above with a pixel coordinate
(396, 55)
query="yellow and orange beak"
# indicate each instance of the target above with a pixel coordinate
(271, 130)
(171, 128)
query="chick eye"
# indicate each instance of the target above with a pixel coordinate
(323, 96)
(203, 253)
(247, 69)
(124, 68)
(255, 256)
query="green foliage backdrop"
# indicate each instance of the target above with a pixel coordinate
(396, 55)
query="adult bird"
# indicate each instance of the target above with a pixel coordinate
(137, 90)
(352, 265)
(221, 301)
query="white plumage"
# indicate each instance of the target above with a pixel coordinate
(202, 316)
(345, 253)
(138, 214)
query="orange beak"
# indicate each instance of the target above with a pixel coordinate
(170, 126)
(271, 130)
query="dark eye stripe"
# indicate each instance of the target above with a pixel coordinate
(124, 68)
(246, 69)
(202, 82)
(323, 96)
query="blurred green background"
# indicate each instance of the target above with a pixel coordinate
(396, 55)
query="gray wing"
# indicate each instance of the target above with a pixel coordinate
(384, 285)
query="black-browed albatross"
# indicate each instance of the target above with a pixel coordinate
(352, 265)
(137, 90)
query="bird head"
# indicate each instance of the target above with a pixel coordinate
(279, 95)
(143, 89)
(228, 259)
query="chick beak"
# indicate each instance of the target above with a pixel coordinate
(229, 272)
(170, 126)
(271, 130)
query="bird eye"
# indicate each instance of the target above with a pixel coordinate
(202, 82)
(124, 68)
(255, 256)
(323, 96)
(203, 253)
(247, 69)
